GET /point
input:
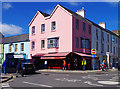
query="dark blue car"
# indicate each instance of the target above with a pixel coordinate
(27, 68)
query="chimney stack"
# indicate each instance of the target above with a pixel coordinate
(102, 25)
(81, 12)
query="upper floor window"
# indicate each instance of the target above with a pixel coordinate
(97, 46)
(108, 37)
(42, 27)
(53, 26)
(77, 42)
(113, 39)
(53, 42)
(42, 44)
(114, 50)
(102, 35)
(84, 27)
(85, 43)
(102, 48)
(77, 24)
(108, 48)
(89, 29)
(16, 47)
(33, 45)
(33, 29)
(116, 40)
(10, 48)
(22, 46)
(97, 34)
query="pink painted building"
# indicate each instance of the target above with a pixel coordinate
(63, 35)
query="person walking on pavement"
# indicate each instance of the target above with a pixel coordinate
(84, 63)
(19, 68)
(4, 65)
(64, 65)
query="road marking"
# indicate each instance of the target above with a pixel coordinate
(5, 85)
(88, 82)
(115, 78)
(108, 82)
(37, 84)
(68, 80)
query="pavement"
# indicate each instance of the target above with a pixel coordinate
(5, 78)
(73, 71)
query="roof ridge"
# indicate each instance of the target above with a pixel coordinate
(17, 35)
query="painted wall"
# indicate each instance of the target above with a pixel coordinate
(63, 27)
(105, 42)
(26, 49)
(80, 33)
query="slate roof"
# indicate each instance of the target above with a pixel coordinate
(44, 14)
(17, 38)
(75, 14)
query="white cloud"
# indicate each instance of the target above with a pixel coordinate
(6, 6)
(74, 3)
(10, 29)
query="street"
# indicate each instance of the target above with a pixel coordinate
(50, 79)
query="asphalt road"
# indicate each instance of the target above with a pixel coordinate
(50, 79)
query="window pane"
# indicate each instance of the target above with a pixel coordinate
(53, 25)
(33, 29)
(84, 27)
(53, 42)
(77, 43)
(77, 24)
(42, 44)
(43, 28)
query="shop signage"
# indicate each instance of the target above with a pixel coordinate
(93, 51)
(18, 56)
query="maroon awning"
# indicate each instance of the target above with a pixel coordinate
(85, 55)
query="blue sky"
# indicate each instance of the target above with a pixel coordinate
(17, 15)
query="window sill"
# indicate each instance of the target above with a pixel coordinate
(33, 34)
(53, 30)
(33, 49)
(43, 32)
(53, 48)
(42, 48)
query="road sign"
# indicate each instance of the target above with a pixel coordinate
(93, 55)
(93, 51)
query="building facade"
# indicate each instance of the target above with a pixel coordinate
(16, 48)
(64, 35)
(106, 44)
(1, 48)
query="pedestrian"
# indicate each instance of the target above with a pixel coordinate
(75, 64)
(45, 64)
(64, 65)
(4, 65)
(103, 65)
(84, 63)
(19, 67)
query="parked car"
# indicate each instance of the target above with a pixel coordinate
(27, 68)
